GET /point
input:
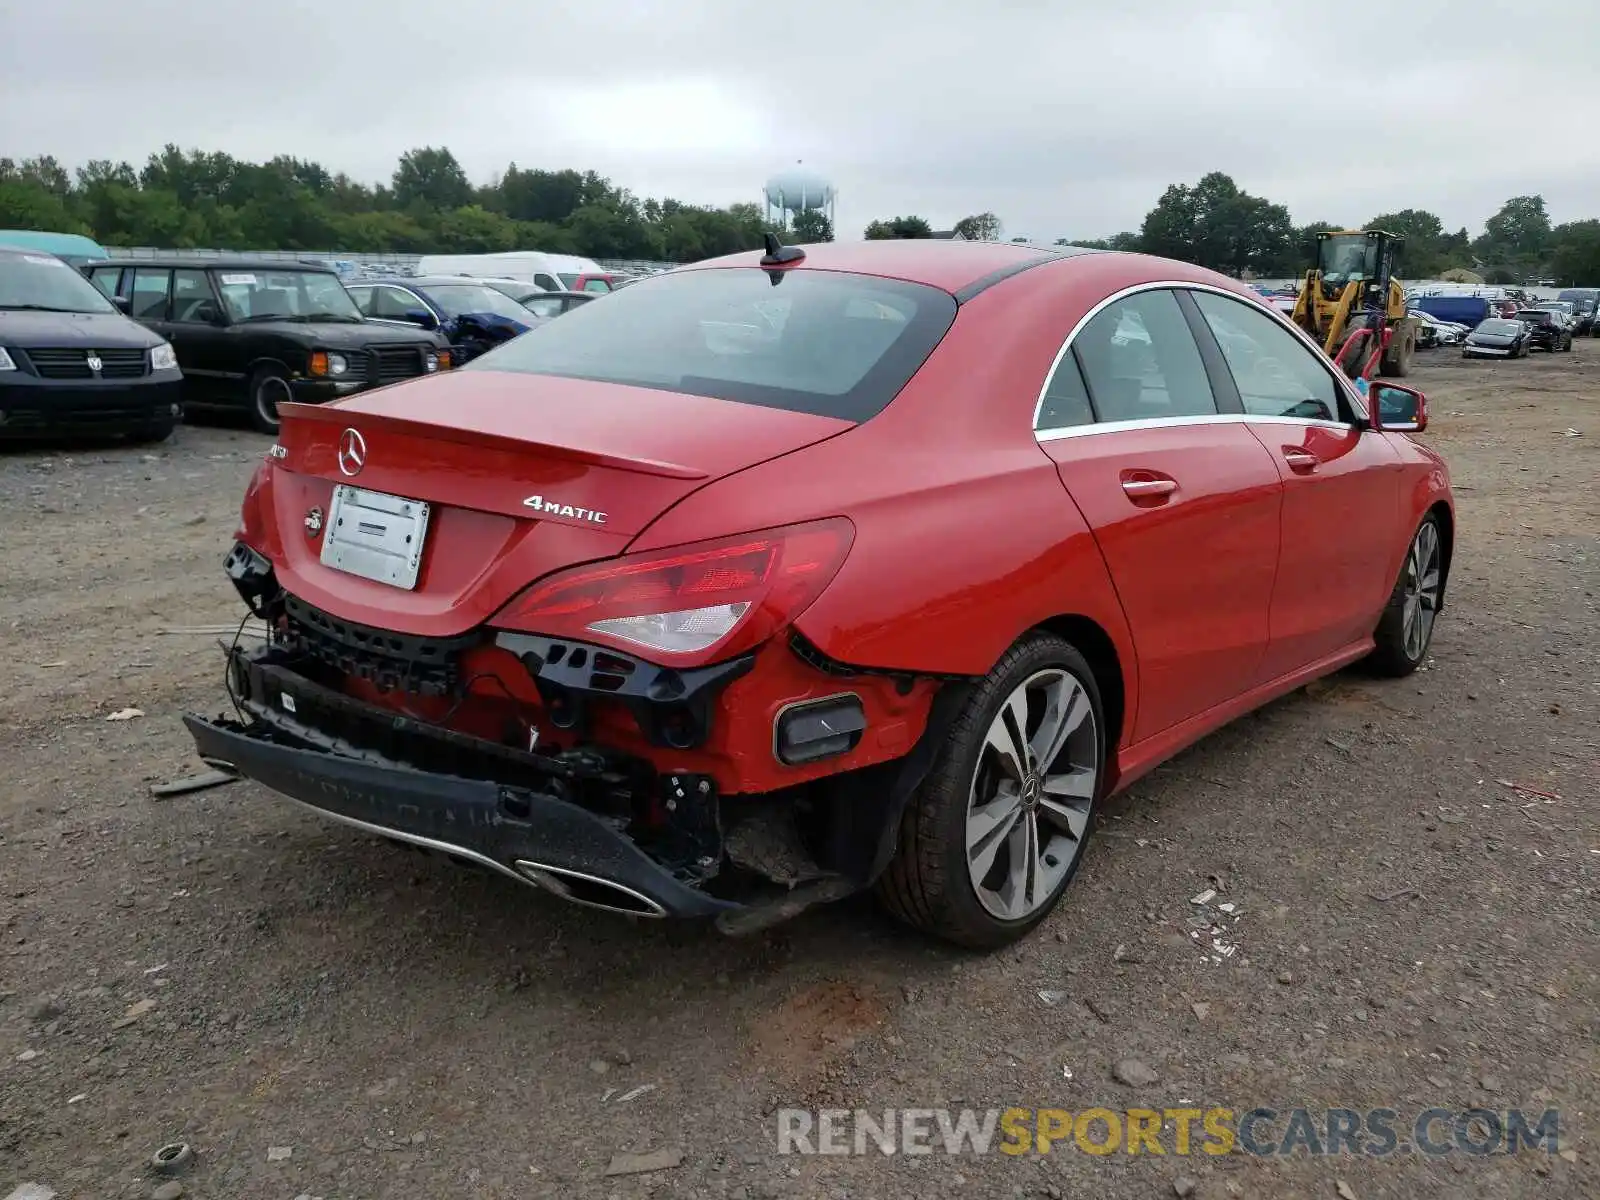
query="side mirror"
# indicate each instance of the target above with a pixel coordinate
(1397, 409)
(420, 316)
(122, 304)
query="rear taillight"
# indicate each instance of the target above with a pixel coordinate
(691, 603)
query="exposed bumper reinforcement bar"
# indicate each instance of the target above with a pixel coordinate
(530, 836)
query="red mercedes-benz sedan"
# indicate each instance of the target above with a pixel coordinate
(788, 575)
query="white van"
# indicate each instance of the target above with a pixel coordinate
(552, 272)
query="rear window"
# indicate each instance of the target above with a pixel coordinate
(820, 342)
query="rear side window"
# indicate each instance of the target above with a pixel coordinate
(150, 293)
(1066, 400)
(1277, 375)
(821, 342)
(1140, 361)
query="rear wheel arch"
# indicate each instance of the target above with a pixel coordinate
(1100, 651)
(1445, 515)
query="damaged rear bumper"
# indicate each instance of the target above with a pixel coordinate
(526, 834)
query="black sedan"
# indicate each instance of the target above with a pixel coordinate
(1547, 329)
(70, 362)
(1498, 337)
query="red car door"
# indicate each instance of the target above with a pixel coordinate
(1183, 501)
(1342, 485)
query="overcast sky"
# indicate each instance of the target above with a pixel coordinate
(1065, 119)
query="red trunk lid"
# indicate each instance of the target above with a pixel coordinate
(524, 475)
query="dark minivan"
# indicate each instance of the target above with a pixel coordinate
(71, 363)
(252, 335)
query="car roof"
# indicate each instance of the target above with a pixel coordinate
(954, 267)
(219, 264)
(430, 280)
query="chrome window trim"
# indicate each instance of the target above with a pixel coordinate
(1102, 427)
(1340, 383)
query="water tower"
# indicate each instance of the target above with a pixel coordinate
(795, 190)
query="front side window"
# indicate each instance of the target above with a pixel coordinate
(43, 281)
(822, 342)
(392, 304)
(1277, 375)
(597, 285)
(150, 293)
(1140, 361)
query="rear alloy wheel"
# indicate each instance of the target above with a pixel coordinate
(997, 830)
(268, 389)
(1405, 631)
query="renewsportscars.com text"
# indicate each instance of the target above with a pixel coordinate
(1262, 1132)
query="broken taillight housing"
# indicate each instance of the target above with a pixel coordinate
(690, 603)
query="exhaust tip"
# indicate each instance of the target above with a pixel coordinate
(575, 887)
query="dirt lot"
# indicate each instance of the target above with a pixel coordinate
(225, 970)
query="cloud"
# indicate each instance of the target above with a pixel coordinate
(1064, 120)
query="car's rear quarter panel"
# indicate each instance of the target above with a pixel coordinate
(965, 536)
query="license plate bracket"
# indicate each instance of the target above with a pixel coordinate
(376, 536)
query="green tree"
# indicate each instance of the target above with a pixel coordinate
(980, 227)
(899, 227)
(431, 177)
(1575, 258)
(1217, 225)
(1518, 235)
(812, 225)
(26, 205)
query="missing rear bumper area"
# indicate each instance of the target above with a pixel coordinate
(527, 834)
(589, 826)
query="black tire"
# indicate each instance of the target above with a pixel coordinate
(1398, 366)
(1397, 652)
(928, 883)
(268, 388)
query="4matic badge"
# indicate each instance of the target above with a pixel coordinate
(557, 509)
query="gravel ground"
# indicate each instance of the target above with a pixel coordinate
(324, 1015)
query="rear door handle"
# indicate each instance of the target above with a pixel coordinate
(1300, 460)
(1149, 489)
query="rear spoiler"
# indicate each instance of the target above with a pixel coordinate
(331, 414)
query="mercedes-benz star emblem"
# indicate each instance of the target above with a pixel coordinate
(94, 362)
(352, 452)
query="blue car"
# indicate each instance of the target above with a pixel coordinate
(472, 315)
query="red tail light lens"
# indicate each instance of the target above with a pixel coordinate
(691, 603)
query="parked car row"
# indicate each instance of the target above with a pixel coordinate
(1548, 325)
(127, 346)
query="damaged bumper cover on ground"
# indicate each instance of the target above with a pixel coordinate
(526, 834)
(560, 821)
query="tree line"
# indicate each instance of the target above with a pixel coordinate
(1218, 225)
(182, 199)
(194, 198)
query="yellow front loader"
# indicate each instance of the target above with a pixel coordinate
(1352, 304)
